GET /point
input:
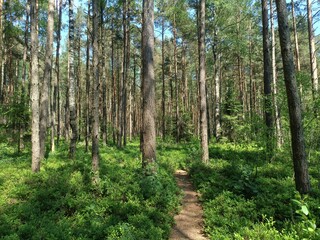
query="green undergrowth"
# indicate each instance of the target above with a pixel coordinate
(60, 202)
(245, 197)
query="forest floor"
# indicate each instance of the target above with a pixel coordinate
(189, 222)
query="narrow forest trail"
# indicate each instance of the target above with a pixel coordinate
(189, 222)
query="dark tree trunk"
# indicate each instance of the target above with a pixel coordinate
(267, 78)
(297, 136)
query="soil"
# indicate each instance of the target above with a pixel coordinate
(189, 222)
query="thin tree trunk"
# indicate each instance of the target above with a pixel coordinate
(95, 126)
(296, 45)
(267, 78)
(202, 86)
(163, 102)
(103, 76)
(148, 89)
(87, 130)
(72, 85)
(44, 100)
(312, 52)
(1, 53)
(58, 73)
(35, 87)
(175, 68)
(296, 127)
(274, 80)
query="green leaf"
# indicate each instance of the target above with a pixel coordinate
(305, 210)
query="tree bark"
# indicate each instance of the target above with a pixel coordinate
(297, 135)
(35, 137)
(312, 53)
(148, 88)
(267, 78)
(44, 100)
(72, 85)
(96, 73)
(163, 102)
(296, 45)
(202, 86)
(87, 130)
(274, 81)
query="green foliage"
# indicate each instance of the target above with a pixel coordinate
(245, 197)
(61, 203)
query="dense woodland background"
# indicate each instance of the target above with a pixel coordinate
(80, 76)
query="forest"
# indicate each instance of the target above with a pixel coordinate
(102, 102)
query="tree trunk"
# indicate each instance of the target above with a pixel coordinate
(35, 87)
(274, 81)
(163, 102)
(267, 78)
(96, 73)
(104, 78)
(87, 130)
(312, 53)
(72, 86)
(44, 101)
(148, 88)
(296, 127)
(1, 52)
(176, 81)
(202, 86)
(58, 73)
(296, 45)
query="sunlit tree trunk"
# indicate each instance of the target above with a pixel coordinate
(312, 52)
(72, 85)
(96, 75)
(296, 127)
(44, 100)
(34, 92)
(148, 142)
(274, 81)
(202, 86)
(296, 45)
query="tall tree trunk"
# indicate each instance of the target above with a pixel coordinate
(72, 85)
(148, 88)
(103, 77)
(58, 73)
(296, 45)
(35, 87)
(312, 52)
(163, 100)
(202, 86)
(274, 80)
(96, 73)
(176, 81)
(1, 52)
(267, 77)
(217, 87)
(44, 100)
(296, 127)
(87, 130)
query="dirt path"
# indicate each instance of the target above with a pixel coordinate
(189, 221)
